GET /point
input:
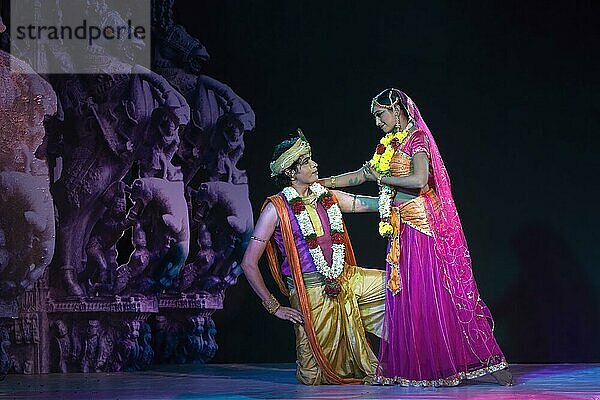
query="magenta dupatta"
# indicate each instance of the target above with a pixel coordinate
(450, 243)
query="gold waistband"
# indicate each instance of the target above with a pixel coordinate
(311, 279)
(414, 212)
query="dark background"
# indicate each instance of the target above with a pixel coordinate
(510, 91)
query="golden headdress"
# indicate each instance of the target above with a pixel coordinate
(289, 157)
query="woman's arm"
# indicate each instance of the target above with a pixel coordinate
(353, 203)
(344, 180)
(265, 226)
(416, 180)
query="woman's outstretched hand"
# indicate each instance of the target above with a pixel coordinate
(369, 172)
(290, 314)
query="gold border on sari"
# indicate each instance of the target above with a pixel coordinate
(453, 380)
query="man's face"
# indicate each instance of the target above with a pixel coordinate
(307, 170)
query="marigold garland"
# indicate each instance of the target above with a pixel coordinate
(381, 162)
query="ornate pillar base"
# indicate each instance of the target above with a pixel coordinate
(23, 333)
(100, 334)
(183, 330)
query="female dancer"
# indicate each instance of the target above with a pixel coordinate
(437, 329)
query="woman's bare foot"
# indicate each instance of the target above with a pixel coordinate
(504, 377)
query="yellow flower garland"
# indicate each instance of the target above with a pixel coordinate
(382, 164)
(385, 229)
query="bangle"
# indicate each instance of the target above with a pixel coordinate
(332, 179)
(379, 180)
(354, 204)
(271, 304)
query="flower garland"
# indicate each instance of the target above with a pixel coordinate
(333, 271)
(386, 194)
(381, 162)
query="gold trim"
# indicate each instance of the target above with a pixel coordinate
(450, 381)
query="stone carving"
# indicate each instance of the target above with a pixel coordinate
(226, 149)
(138, 261)
(92, 348)
(26, 209)
(192, 345)
(5, 343)
(184, 338)
(110, 128)
(210, 148)
(161, 145)
(128, 350)
(101, 134)
(101, 345)
(164, 340)
(101, 248)
(220, 246)
(121, 135)
(27, 213)
(165, 215)
(27, 231)
(146, 355)
(63, 346)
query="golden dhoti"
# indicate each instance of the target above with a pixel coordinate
(340, 324)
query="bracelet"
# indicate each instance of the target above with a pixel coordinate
(379, 180)
(271, 304)
(258, 239)
(354, 204)
(332, 179)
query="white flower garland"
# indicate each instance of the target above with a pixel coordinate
(386, 194)
(336, 225)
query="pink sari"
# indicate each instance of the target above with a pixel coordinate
(437, 330)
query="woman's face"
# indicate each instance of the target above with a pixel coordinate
(306, 172)
(385, 119)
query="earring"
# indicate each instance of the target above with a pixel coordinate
(397, 120)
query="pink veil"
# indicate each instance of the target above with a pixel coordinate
(450, 243)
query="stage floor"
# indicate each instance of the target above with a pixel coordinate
(277, 381)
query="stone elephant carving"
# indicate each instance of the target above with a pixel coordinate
(165, 214)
